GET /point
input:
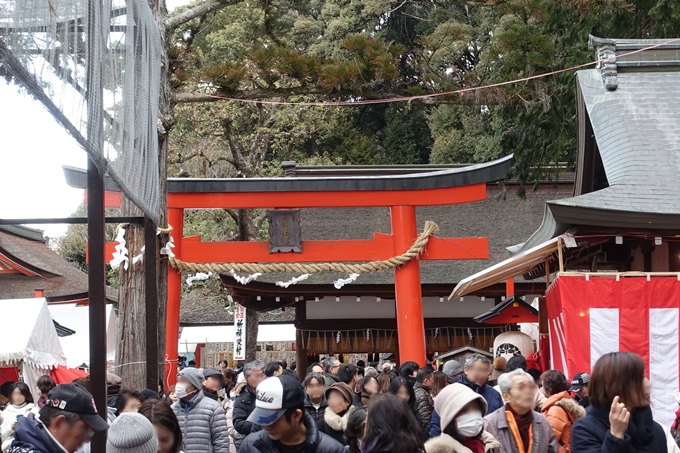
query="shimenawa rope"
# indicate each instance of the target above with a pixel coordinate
(313, 268)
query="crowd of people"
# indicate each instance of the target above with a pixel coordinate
(471, 407)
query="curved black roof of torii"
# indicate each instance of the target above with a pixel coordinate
(472, 174)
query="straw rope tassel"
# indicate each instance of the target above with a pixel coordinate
(313, 268)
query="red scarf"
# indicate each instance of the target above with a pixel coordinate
(474, 444)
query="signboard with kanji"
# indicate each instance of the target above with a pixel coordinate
(240, 334)
(284, 230)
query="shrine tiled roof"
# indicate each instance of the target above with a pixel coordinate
(59, 279)
(628, 164)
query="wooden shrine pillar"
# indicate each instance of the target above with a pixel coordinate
(408, 295)
(176, 219)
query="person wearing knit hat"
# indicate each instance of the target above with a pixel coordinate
(334, 422)
(453, 369)
(131, 433)
(461, 413)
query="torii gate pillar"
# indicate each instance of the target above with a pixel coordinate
(176, 219)
(408, 295)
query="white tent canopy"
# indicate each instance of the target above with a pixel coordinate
(28, 335)
(77, 346)
(191, 336)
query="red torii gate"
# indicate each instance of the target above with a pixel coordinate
(402, 194)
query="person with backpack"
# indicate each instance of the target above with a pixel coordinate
(560, 409)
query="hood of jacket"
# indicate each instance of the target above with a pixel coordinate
(564, 401)
(452, 399)
(447, 444)
(31, 432)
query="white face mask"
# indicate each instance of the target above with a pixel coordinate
(470, 424)
(181, 390)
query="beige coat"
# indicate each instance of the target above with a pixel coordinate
(447, 444)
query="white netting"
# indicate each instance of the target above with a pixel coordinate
(95, 65)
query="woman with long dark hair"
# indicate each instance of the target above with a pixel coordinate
(163, 418)
(369, 386)
(401, 388)
(356, 428)
(20, 405)
(461, 413)
(619, 418)
(391, 427)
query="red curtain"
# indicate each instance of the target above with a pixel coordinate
(9, 374)
(63, 375)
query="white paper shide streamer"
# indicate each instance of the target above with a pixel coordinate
(197, 277)
(244, 280)
(139, 258)
(120, 254)
(167, 250)
(344, 281)
(292, 281)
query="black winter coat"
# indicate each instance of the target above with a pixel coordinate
(591, 433)
(425, 406)
(243, 407)
(317, 414)
(316, 441)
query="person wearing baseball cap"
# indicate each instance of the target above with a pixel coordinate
(213, 381)
(280, 411)
(579, 387)
(65, 423)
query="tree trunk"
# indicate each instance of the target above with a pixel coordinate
(165, 106)
(131, 346)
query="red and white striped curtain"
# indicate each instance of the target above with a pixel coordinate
(591, 316)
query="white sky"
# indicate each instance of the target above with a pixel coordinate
(33, 147)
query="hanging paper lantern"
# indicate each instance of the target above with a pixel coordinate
(509, 344)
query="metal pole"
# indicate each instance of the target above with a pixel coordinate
(409, 301)
(151, 296)
(96, 277)
(96, 224)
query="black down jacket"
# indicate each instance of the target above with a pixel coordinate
(243, 407)
(316, 442)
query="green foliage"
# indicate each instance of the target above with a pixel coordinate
(407, 137)
(72, 246)
(320, 50)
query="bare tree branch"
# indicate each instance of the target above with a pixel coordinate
(201, 10)
(233, 214)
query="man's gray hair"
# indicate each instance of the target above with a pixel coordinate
(505, 379)
(328, 363)
(250, 366)
(471, 359)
